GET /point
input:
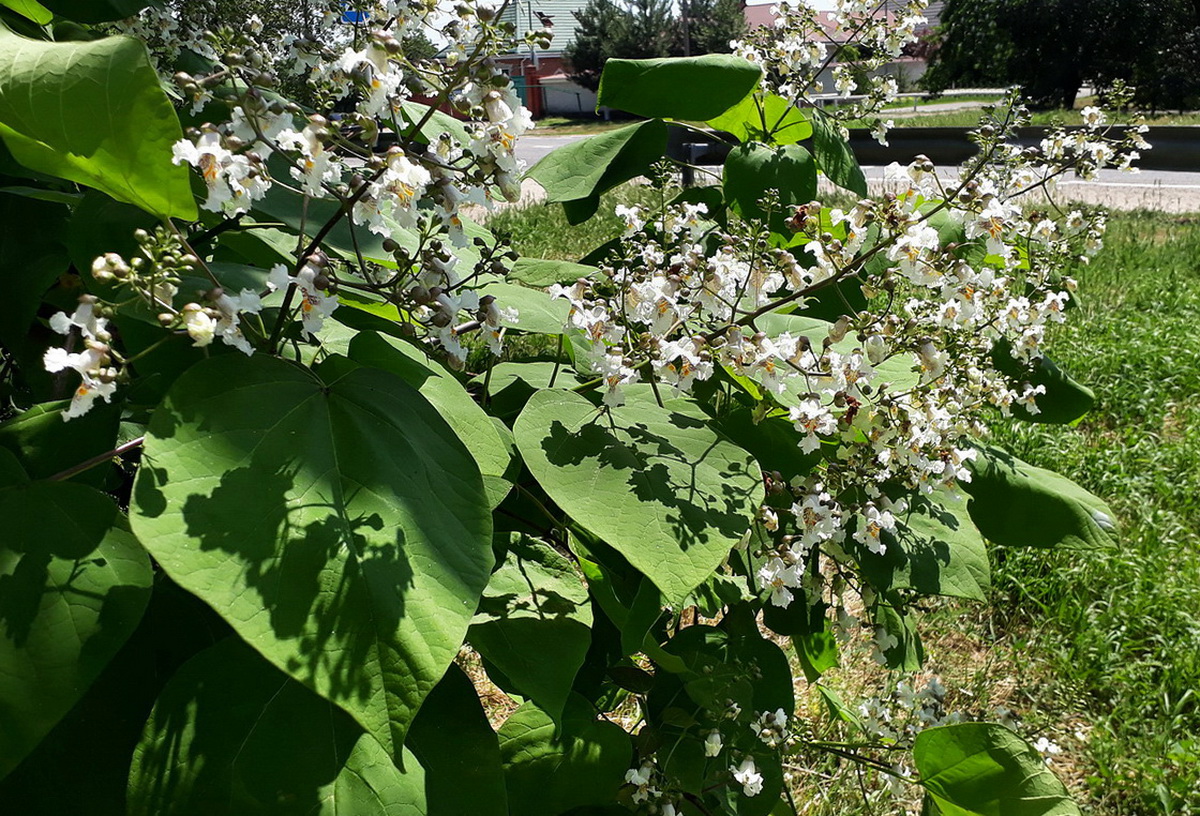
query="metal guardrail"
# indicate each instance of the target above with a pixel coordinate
(1174, 147)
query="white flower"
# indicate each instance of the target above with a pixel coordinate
(713, 744)
(1093, 117)
(879, 130)
(641, 777)
(315, 305)
(771, 727)
(85, 394)
(84, 318)
(748, 777)
(810, 418)
(199, 324)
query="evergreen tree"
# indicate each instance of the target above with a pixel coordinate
(644, 29)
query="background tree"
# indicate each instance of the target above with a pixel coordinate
(1051, 47)
(644, 29)
(713, 23)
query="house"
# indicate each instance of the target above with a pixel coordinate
(540, 75)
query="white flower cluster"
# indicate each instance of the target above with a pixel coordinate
(93, 362)
(888, 398)
(850, 46)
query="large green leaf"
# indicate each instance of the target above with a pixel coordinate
(340, 527)
(97, 11)
(657, 484)
(1065, 400)
(834, 156)
(231, 735)
(46, 446)
(689, 88)
(753, 169)
(935, 550)
(537, 312)
(73, 585)
(460, 753)
(1018, 505)
(986, 769)
(30, 8)
(769, 118)
(446, 394)
(94, 113)
(579, 172)
(897, 371)
(907, 653)
(542, 272)
(550, 770)
(534, 622)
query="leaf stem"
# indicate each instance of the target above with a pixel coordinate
(98, 460)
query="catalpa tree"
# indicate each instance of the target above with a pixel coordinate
(273, 471)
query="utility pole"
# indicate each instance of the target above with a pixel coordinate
(687, 28)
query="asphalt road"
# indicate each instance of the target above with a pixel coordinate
(1153, 189)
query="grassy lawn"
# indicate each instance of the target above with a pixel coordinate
(1119, 630)
(576, 125)
(1098, 650)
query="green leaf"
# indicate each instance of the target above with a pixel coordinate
(986, 769)
(1065, 400)
(340, 527)
(73, 586)
(752, 169)
(534, 623)
(935, 550)
(97, 11)
(94, 113)
(435, 125)
(656, 484)
(11, 472)
(837, 707)
(231, 734)
(907, 654)
(537, 312)
(549, 770)
(764, 118)
(97, 737)
(539, 272)
(721, 665)
(460, 753)
(898, 371)
(580, 171)
(644, 612)
(773, 441)
(32, 257)
(46, 446)
(690, 88)
(472, 425)
(31, 9)
(1018, 505)
(834, 156)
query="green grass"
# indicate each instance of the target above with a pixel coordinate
(576, 125)
(1103, 640)
(542, 231)
(1121, 628)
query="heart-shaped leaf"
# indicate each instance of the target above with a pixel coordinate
(231, 735)
(534, 622)
(94, 113)
(340, 527)
(986, 769)
(657, 484)
(73, 586)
